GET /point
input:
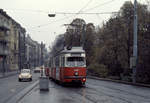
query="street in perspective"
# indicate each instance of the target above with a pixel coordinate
(75, 51)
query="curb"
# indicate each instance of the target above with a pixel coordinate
(119, 81)
(1, 77)
(20, 95)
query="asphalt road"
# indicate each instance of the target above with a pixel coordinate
(96, 91)
(10, 86)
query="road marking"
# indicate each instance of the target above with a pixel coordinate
(12, 90)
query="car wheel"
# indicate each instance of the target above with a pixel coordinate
(19, 80)
(30, 79)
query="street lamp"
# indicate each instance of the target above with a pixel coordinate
(51, 15)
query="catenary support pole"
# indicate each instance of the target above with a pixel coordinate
(135, 46)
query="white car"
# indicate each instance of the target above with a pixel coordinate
(25, 75)
(37, 70)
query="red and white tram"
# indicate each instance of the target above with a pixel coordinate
(69, 66)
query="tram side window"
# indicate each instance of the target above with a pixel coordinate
(57, 61)
(75, 59)
(62, 61)
(53, 62)
(50, 65)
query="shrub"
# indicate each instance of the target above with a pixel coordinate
(98, 69)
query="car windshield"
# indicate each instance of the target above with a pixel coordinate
(25, 71)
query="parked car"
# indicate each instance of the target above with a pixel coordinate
(37, 70)
(25, 75)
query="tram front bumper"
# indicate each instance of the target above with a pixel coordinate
(75, 79)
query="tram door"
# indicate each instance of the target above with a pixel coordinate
(57, 67)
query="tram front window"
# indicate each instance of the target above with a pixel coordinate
(75, 61)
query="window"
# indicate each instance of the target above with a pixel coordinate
(62, 61)
(75, 61)
(15, 46)
(71, 59)
(57, 61)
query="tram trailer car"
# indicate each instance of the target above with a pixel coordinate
(47, 71)
(69, 66)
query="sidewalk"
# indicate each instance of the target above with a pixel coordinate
(119, 81)
(7, 74)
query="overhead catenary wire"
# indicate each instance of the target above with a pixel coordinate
(81, 9)
(66, 17)
(79, 12)
(42, 25)
(90, 13)
(46, 12)
(85, 6)
(26, 10)
(42, 11)
(99, 5)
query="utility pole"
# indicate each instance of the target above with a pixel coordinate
(42, 46)
(135, 47)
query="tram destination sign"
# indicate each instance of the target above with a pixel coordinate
(75, 54)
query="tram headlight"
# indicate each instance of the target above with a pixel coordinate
(83, 55)
(84, 79)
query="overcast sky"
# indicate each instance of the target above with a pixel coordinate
(32, 14)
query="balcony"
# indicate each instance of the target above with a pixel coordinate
(16, 52)
(3, 50)
(4, 40)
(4, 25)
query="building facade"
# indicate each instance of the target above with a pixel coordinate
(13, 46)
(33, 53)
(21, 58)
(17, 51)
(4, 33)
